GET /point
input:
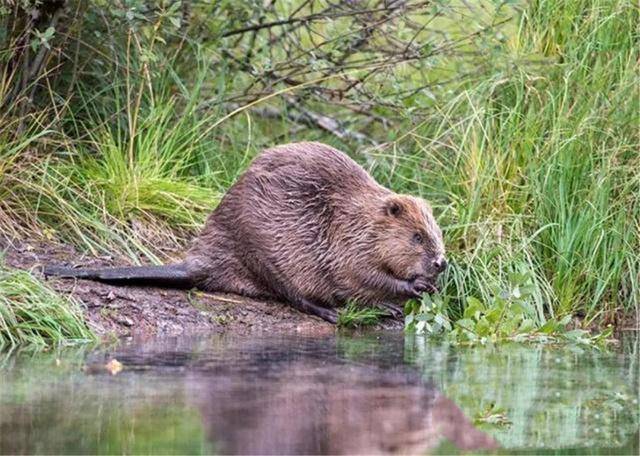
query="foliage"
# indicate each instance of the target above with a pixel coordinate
(534, 169)
(32, 313)
(509, 316)
(353, 315)
(517, 120)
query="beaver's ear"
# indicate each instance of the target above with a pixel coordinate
(393, 207)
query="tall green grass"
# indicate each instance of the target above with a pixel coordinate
(32, 313)
(532, 167)
(536, 169)
(131, 169)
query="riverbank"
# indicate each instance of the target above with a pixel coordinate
(523, 139)
(116, 312)
(143, 312)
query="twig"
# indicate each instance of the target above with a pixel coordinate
(309, 18)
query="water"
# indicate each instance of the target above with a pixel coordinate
(334, 394)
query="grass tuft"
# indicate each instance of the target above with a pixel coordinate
(352, 316)
(32, 313)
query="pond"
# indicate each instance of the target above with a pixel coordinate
(344, 393)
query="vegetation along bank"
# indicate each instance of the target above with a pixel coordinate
(121, 125)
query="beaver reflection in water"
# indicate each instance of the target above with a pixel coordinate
(316, 395)
(307, 225)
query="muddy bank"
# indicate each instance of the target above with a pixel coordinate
(149, 311)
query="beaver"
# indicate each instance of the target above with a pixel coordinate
(307, 225)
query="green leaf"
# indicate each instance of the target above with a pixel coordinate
(516, 292)
(443, 321)
(465, 323)
(483, 328)
(408, 319)
(494, 314)
(474, 308)
(527, 290)
(424, 317)
(49, 33)
(549, 327)
(517, 278)
(519, 308)
(175, 21)
(509, 325)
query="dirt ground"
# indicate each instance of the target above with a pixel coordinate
(149, 311)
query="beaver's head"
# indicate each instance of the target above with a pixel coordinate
(408, 239)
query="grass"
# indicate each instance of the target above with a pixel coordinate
(535, 169)
(352, 316)
(532, 167)
(32, 313)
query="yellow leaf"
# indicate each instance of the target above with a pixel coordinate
(114, 366)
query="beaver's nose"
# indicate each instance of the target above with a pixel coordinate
(440, 264)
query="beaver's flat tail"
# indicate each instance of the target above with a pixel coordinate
(170, 276)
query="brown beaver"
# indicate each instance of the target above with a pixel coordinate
(307, 225)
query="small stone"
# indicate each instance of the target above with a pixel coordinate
(125, 321)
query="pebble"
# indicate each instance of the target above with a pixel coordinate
(126, 321)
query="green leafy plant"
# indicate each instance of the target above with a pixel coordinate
(509, 316)
(429, 316)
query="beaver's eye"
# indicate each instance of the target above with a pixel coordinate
(417, 238)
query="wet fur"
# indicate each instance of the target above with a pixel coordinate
(307, 225)
(307, 222)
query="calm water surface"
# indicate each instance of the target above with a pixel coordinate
(337, 394)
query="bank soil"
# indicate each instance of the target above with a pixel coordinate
(150, 311)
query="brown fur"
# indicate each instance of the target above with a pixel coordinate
(308, 225)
